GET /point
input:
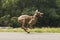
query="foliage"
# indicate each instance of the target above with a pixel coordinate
(4, 21)
(15, 8)
(14, 23)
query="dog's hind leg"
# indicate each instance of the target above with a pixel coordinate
(23, 27)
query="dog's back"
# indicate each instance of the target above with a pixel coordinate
(27, 18)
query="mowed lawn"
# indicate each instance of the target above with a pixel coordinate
(49, 30)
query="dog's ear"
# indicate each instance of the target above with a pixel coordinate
(36, 11)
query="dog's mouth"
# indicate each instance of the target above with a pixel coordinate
(41, 14)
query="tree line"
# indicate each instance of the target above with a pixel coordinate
(11, 9)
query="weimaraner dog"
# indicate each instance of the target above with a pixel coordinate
(27, 21)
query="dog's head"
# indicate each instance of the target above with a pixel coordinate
(38, 14)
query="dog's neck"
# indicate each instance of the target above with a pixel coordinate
(35, 17)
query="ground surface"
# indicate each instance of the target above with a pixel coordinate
(31, 36)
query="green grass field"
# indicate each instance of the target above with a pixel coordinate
(49, 30)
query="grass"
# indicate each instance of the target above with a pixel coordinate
(49, 30)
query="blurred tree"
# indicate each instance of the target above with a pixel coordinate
(15, 8)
